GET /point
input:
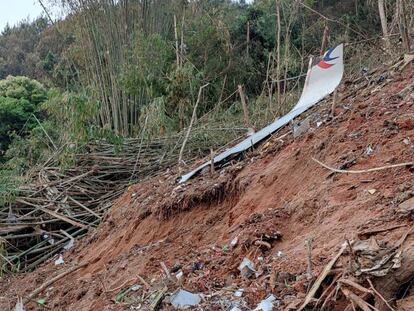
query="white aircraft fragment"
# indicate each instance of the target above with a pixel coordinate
(321, 80)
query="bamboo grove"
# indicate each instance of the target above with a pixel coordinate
(137, 57)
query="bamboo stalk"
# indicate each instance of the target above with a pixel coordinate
(244, 106)
(180, 157)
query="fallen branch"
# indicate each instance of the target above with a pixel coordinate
(308, 243)
(375, 169)
(356, 286)
(329, 290)
(76, 198)
(127, 282)
(262, 243)
(143, 281)
(365, 306)
(379, 295)
(51, 281)
(401, 241)
(63, 218)
(321, 277)
(368, 233)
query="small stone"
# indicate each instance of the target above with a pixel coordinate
(301, 128)
(406, 206)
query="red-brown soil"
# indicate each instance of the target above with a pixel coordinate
(277, 188)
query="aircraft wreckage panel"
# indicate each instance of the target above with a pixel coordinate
(321, 80)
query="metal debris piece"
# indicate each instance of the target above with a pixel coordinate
(319, 84)
(366, 247)
(179, 275)
(19, 305)
(271, 236)
(183, 299)
(369, 150)
(375, 260)
(278, 254)
(69, 245)
(59, 261)
(239, 292)
(266, 304)
(247, 268)
(384, 265)
(48, 238)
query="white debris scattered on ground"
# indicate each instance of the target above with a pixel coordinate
(19, 305)
(183, 299)
(59, 261)
(266, 304)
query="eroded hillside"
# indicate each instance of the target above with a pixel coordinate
(271, 208)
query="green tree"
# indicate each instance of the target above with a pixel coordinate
(20, 100)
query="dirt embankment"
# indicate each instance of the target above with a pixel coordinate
(268, 205)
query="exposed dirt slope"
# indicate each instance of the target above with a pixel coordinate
(278, 189)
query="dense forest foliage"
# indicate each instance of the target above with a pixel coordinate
(112, 69)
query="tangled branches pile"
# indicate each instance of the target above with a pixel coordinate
(57, 205)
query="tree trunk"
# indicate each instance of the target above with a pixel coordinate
(384, 25)
(402, 25)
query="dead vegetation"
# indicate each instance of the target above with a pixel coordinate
(57, 205)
